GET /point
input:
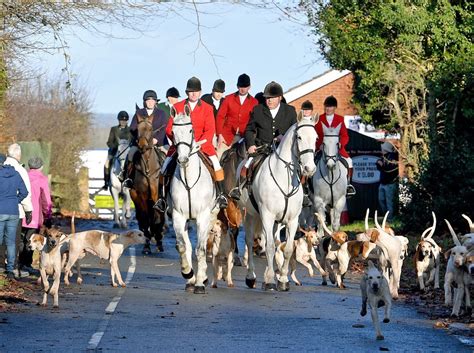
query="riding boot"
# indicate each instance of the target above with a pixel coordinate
(350, 188)
(106, 178)
(221, 197)
(236, 192)
(129, 172)
(306, 199)
(161, 204)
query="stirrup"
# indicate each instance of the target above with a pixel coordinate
(350, 190)
(160, 205)
(121, 176)
(128, 183)
(235, 193)
(222, 201)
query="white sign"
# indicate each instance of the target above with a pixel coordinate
(365, 170)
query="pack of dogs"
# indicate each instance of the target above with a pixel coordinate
(330, 252)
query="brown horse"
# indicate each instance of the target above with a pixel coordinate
(145, 192)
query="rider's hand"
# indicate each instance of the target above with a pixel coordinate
(220, 140)
(252, 149)
(28, 217)
(155, 141)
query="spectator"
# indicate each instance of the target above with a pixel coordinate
(388, 188)
(41, 199)
(25, 209)
(12, 191)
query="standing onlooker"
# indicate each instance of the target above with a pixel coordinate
(25, 208)
(12, 192)
(388, 188)
(41, 199)
(216, 98)
(234, 115)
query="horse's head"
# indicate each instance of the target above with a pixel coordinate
(305, 137)
(331, 145)
(145, 133)
(183, 135)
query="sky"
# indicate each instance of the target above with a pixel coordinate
(116, 71)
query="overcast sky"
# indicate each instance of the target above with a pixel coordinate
(241, 39)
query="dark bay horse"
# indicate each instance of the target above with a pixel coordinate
(145, 192)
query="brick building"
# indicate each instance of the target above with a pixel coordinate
(333, 82)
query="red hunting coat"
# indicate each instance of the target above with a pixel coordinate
(343, 134)
(202, 119)
(233, 117)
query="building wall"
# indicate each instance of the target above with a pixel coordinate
(341, 89)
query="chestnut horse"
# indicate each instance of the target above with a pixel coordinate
(145, 192)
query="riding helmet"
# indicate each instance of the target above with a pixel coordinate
(150, 94)
(330, 101)
(193, 85)
(273, 89)
(122, 115)
(219, 86)
(307, 105)
(172, 92)
(243, 81)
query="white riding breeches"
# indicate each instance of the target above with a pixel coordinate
(215, 162)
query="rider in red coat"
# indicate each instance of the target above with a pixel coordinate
(330, 119)
(234, 114)
(202, 119)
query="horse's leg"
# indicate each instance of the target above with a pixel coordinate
(249, 225)
(202, 223)
(268, 221)
(336, 213)
(142, 218)
(127, 202)
(157, 229)
(183, 245)
(115, 197)
(283, 282)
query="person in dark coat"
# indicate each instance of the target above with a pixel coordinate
(216, 98)
(159, 121)
(117, 133)
(388, 188)
(268, 123)
(12, 191)
(172, 97)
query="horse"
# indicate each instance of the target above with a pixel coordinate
(192, 195)
(145, 191)
(330, 180)
(276, 195)
(116, 187)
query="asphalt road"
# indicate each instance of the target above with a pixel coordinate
(155, 314)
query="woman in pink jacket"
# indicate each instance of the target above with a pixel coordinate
(41, 200)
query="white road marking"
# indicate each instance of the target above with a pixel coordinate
(97, 336)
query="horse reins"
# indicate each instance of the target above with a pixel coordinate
(336, 160)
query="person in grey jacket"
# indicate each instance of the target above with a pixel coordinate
(12, 191)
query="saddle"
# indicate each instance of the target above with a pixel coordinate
(207, 162)
(170, 169)
(239, 148)
(257, 162)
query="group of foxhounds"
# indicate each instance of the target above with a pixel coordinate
(330, 251)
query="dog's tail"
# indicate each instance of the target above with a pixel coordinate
(73, 226)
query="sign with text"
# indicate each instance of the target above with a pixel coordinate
(365, 170)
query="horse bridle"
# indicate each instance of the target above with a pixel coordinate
(330, 157)
(150, 140)
(189, 145)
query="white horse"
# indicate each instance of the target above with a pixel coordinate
(193, 197)
(278, 196)
(330, 179)
(116, 187)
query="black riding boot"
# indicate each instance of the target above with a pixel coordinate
(221, 198)
(350, 188)
(161, 204)
(106, 178)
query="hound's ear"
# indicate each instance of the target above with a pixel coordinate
(371, 264)
(447, 254)
(187, 109)
(173, 112)
(43, 230)
(302, 230)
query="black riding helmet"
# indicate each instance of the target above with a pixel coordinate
(150, 94)
(122, 115)
(330, 101)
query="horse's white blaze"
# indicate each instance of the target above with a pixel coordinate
(190, 173)
(116, 186)
(268, 193)
(330, 171)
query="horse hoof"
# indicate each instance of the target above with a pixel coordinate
(116, 225)
(146, 250)
(199, 290)
(188, 275)
(283, 286)
(386, 321)
(269, 287)
(189, 287)
(380, 338)
(159, 247)
(214, 286)
(250, 282)
(325, 283)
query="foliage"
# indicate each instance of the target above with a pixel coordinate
(392, 48)
(42, 112)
